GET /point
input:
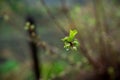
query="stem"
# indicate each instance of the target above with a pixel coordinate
(34, 49)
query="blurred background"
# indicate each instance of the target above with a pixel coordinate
(31, 33)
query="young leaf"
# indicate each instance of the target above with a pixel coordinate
(70, 42)
(72, 34)
(65, 39)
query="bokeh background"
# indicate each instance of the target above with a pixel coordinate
(97, 23)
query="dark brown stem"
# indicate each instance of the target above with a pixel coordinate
(34, 49)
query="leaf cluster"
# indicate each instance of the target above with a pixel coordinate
(70, 42)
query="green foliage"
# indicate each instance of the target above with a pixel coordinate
(70, 42)
(53, 70)
(7, 67)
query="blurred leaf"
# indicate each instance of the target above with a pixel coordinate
(8, 66)
(53, 70)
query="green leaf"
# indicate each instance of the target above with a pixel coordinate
(65, 39)
(72, 34)
(70, 42)
(75, 42)
(67, 46)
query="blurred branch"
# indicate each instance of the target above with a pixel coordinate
(52, 17)
(105, 47)
(65, 10)
(100, 30)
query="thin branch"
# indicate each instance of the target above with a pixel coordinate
(52, 17)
